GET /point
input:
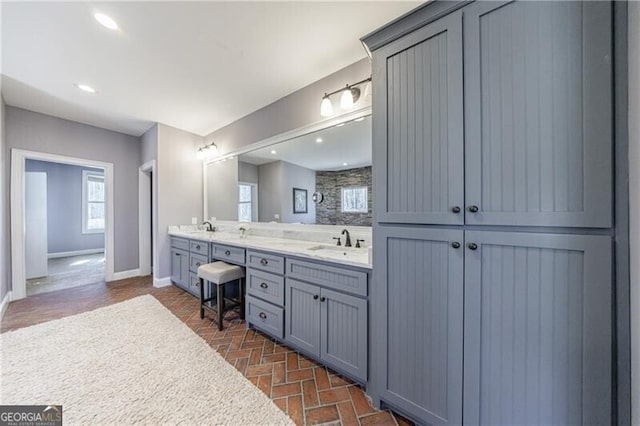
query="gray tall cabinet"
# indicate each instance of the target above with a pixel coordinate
(492, 294)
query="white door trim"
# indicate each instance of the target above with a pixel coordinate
(147, 213)
(18, 162)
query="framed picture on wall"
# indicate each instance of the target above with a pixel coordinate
(299, 200)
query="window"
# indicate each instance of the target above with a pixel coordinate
(245, 202)
(354, 200)
(93, 211)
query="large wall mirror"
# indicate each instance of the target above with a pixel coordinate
(323, 177)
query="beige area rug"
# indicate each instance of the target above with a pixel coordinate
(132, 362)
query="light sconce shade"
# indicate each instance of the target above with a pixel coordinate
(326, 107)
(350, 95)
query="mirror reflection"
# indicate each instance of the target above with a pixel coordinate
(320, 178)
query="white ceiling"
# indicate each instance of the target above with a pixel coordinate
(350, 144)
(196, 66)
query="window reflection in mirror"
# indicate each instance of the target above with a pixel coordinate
(258, 185)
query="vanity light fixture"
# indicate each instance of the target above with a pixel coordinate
(207, 151)
(350, 95)
(106, 21)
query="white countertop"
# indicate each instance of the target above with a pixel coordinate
(358, 257)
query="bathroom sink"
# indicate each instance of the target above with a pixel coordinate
(336, 250)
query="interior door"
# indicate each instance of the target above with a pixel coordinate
(538, 329)
(36, 224)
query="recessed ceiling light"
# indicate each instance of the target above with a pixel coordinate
(273, 151)
(344, 164)
(85, 88)
(319, 140)
(106, 21)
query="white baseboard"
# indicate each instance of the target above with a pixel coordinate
(161, 282)
(74, 253)
(5, 304)
(126, 274)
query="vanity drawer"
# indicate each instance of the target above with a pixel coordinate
(232, 254)
(180, 243)
(265, 316)
(265, 262)
(329, 276)
(266, 286)
(199, 247)
(196, 260)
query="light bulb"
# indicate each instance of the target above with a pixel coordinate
(213, 149)
(346, 100)
(326, 107)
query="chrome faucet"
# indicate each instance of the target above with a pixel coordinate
(209, 226)
(348, 242)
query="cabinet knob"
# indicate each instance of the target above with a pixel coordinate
(455, 209)
(455, 245)
(198, 247)
(472, 246)
(262, 315)
(473, 209)
(227, 252)
(322, 299)
(264, 285)
(197, 263)
(264, 261)
(315, 297)
(197, 283)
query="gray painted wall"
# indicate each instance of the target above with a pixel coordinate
(43, 133)
(64, 207)
(330, 184)
(179, 184)
(222, 190)
(5, 263)
(275, 192)
(296, 110)
(247, 172)
(634, 201)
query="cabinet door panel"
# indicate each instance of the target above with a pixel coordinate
(418, 126)
(180, 267)
(343, 322)
(302, 313)
(538, 329)
(417, 335)
(538, 113)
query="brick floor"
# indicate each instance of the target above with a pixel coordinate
(308, 392)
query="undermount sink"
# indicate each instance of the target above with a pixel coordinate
(335, 249)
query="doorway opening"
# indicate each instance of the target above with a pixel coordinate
(64, 226)
(61, 222)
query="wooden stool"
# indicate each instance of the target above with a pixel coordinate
(220, 273)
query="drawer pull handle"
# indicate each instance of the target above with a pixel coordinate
(264, 262)
(227, 252)
(262, 315)
(315, 297)
(198, 247)
(264, 285)
(322, 299)
(197, 263)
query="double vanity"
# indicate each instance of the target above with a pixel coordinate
(311, 295)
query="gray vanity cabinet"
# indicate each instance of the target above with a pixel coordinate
(180, 267)
(538, 329)
(329, 325)
(418, 110)
(538, 113)
(417, 357)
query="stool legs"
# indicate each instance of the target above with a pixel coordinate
(220, 300)
(201, 298)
